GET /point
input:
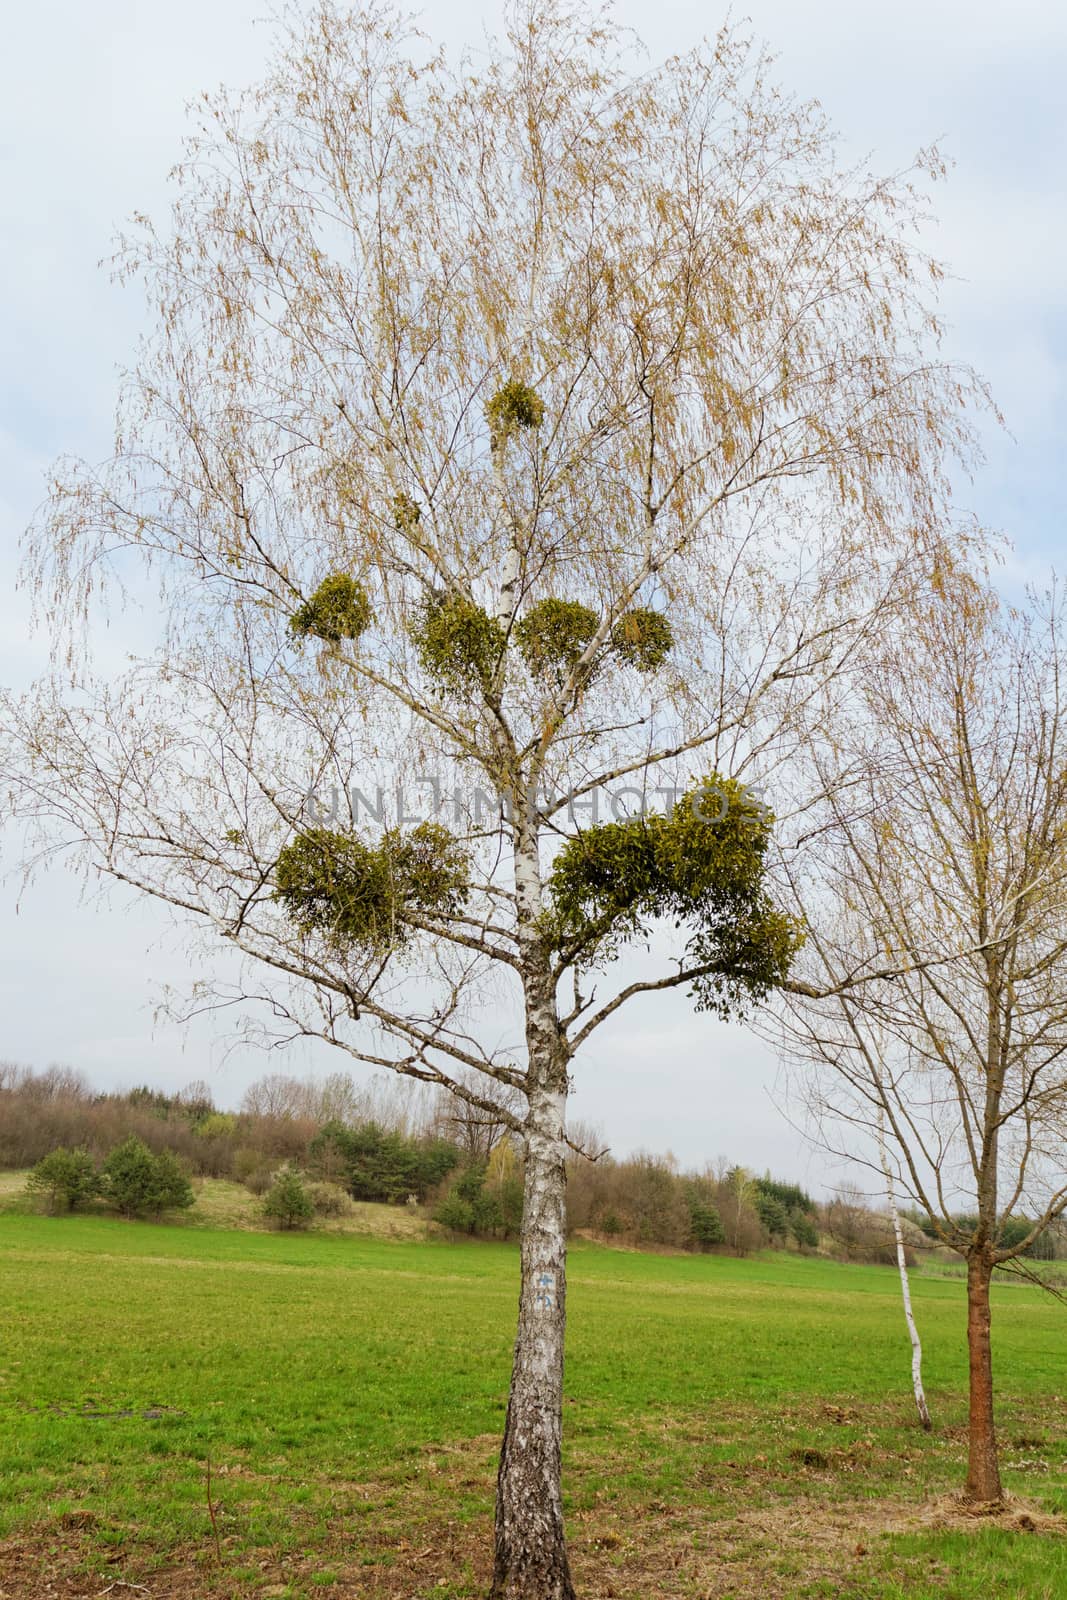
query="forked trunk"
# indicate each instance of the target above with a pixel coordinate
(531, 1553)
(983, 1471)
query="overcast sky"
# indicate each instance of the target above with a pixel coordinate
(91, 114)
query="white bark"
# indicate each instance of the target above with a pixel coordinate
(531, 1555)
(531, 1558)
(905, 1290)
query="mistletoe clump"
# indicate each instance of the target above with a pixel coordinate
(339, 609)
(642, 638)
(431, 866)
(360, 895)
(406, 512)
(514, 406)
(459, 645)
(553, 634)
(702, 865)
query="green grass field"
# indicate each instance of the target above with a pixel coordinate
(733, 1427)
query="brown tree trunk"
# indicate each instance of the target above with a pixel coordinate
(983, 1470)
(531, 1554)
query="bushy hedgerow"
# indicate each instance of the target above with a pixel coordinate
(1010, 1234)
(329, 1200)
(790, 1195)
(374, 1163)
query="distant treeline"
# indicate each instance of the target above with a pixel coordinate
(399, 1142)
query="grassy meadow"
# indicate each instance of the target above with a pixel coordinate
(734, 1427)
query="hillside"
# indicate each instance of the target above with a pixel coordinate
(221, 1203)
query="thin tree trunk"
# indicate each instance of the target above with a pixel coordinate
(905, 1293)
(531, 1553)
(983, 1470)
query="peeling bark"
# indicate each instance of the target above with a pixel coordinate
(531, 1554)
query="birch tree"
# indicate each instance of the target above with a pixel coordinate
(942, 864)
(537, 426)
(905, 1287)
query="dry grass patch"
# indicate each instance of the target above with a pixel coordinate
(666, 1553)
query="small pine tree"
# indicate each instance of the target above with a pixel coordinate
(455, 1214)
(67, 1177)
(772, 1214)
(705, 1224)
(171, 1189)
(485, 1207)
(471, 1207)
(287, 1200)
(128, 1177)
(804, 1230)
(137, 1182)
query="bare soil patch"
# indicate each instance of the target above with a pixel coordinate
(666, 1554)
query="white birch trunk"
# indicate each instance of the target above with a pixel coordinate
(531, 1554)
(905, 1290)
